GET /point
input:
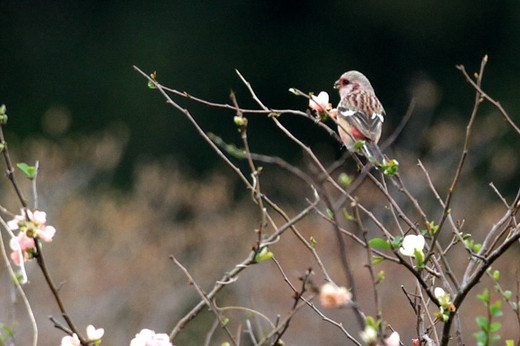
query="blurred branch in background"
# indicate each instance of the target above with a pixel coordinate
(376, 247)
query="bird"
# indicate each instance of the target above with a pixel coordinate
(360, 114)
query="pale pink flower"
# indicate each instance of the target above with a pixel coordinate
(393, 339)
(20, 246)
(21, 242)
(18, 257)
(13, 224)
(70, 340)
(333, 296)
(47, 233)
(320, 103)
(94, 334)
(147, 337)
(39, 217)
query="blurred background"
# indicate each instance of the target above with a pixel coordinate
(127, 181)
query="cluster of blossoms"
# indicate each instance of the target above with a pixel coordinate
(447, 305)
(369, 335)
(93, 336)
(332, 296)
(31, 225)
(147, 337)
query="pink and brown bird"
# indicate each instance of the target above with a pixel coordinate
(360, 114)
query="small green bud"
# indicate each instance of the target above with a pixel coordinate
(240, 120)
(345, 179)
(390, 168)
(263, 255)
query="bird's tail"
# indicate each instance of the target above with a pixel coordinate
(373, 153)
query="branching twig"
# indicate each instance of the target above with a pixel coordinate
(206, 300)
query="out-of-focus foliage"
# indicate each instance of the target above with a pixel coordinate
(67, 65)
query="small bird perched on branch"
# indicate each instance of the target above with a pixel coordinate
(360, 114)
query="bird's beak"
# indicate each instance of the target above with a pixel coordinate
(337, 84)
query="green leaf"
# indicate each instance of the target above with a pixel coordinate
(225, 321)
(6, 332)
(484, 296)
(397, 242)
(379, 243)
(358, 145)
(30, 171)
(495, 326)
(263, 255)
(494, 338)
(496, 275)
(510, 342)
(347, 215)
(482, 322)
(419, 257)
(330, 213)
(370, 321)
(481, 337)
(494, 309)
(507, 294)
(377, 260)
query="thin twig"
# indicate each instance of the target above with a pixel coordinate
(313, 307)
(208, 301)
(495, 103)
(462, 161)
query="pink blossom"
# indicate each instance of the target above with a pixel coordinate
(13, 224)
(333, 296)
(46, 233)
(23, 244)
(33, 224)
(70, 340)
(39, 217)
(147, 337)
(393, 340)
(320, 103)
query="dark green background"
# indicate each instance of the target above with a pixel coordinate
(80, 54)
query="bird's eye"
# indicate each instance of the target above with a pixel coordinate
(345, 82)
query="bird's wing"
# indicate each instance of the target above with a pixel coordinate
(368, 125)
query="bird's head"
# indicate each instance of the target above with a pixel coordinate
(352, 81)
